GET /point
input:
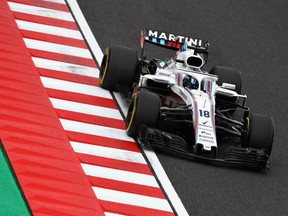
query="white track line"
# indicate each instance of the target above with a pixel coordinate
(132, 199)
(107, 152)
(86, 108)
(48, 29)
(73, 87)
(40, 11)
(120, 175)
(65, 67)
(57, 48)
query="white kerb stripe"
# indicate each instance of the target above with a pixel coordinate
(107, 152)
(66, 67)
(40, 11)
(86, 109)
(97, 130)
(119, 175)
(95, 48)
(57, 1)
(163, 178)
(48, 29)
(75, 87)
(132, 199)
(57, 48)
(113, 214)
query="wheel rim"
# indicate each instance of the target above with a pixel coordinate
(131, 114)
(105, 63)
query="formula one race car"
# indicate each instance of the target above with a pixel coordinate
(178, 107)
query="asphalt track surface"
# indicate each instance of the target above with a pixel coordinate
(248, 35)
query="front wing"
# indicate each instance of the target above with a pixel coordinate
(233, 155)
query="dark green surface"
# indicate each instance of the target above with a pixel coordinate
(11, 200)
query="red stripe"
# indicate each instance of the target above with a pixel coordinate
(81, 79)
(45, 20)
(16, 67)
(209, 86)
(126, 187)
(63, 58)
(54, 39)
(102, 141)
(44, 4)
(96, 120)
(132, 210)
(8, 39)
(5, 55)
(77, 97)
(62, 194)
(115, 164)
(9, 30)
(30, 120)
(15, 49)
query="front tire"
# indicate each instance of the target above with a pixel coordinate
(144, 109)
(261, 132)
(227, 76)
(118, 67)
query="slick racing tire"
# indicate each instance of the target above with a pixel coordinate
(144, 109)
(261, 132)
(118, 67)
(229, 76)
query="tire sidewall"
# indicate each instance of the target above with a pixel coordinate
(144, 109)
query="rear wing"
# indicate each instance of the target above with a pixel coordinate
(169, 40)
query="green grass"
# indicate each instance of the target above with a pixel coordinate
(12, 200)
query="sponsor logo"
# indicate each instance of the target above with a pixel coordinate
(228, 86)
(205, 126)
(175, 38)
(183, 95)
(206, 140)
(206, 137)
(205, 122)
(161, 73)
(205, 132)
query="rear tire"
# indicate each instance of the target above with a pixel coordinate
(119, 67)
(144, 109)
(261, 132)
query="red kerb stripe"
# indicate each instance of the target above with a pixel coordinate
(77, 97)
(102, 141)
(114, 163)
(45, 20)
(63, 58)
(126, 187)
(91, 119)
(54, 39)
(44, 4)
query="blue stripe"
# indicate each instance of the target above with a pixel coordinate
(184, 47)
(154, 40)
(162, 41)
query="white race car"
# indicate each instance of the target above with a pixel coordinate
(178, 107)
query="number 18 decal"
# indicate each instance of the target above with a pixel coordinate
(204, 113)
